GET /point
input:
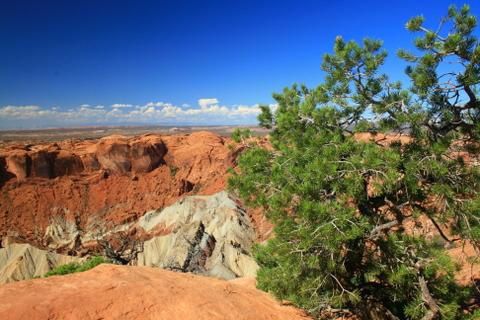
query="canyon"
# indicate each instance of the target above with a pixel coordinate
(155, 205)
(146, 200)
(113, 180)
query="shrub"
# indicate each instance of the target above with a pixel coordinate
(74, 267)
(240, 135)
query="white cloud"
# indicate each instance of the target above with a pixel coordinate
(207, 102)
(121, 105)
(209, 111)
(155, 104)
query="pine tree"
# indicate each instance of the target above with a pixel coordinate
(340, 204)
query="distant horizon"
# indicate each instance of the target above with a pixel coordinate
(133, 126)
(96, 132)
(170, 63)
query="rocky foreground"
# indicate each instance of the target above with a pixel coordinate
(122, 292)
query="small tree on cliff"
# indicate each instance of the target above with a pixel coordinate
(341, 205)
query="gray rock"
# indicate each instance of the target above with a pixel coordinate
(208, 235)
(23, 261)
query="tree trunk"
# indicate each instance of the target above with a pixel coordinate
(372, 309)
(433, 312)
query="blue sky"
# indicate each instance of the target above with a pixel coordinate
(67, 63)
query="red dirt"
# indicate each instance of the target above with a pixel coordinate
(381, 138)
(120, 292)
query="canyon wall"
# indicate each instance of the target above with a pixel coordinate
(49, 190)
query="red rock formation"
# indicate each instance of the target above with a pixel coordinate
(18, 163)
(120, 292)
(115, 179)
(146, 154)
(113, 154)
(42, 164)
(67, 163)
(4, 174)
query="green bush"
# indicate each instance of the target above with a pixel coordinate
(240, 135)
(74, 267)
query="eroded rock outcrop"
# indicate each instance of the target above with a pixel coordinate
(119, 195)
(146, 154)
(118, 154)
(67, 163)
(210, 235)
(62, 234)
(121, 292)
(42, 163)
(23, 261)
(18, 163)
(4, 174)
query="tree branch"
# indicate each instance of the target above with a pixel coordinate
(380, 228)
(436, 225)
(434, 310)
(471, 95)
